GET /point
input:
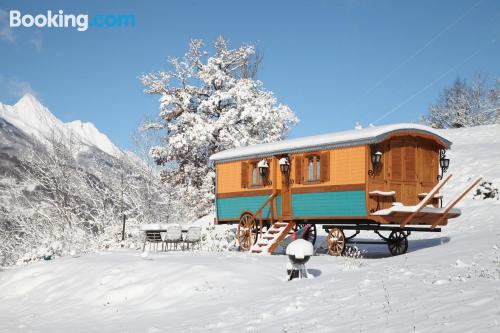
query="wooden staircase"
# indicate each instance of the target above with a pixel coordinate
(271, 239)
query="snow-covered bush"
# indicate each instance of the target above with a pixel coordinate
(352, 258)
(216, 238)
(210, 103)
(486, 190)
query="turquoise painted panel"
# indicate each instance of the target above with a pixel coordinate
(347, 203)
(231, 208)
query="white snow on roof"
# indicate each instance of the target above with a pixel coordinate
(411, 209)
(357, 137)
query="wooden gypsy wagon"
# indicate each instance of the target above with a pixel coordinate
(384, 179)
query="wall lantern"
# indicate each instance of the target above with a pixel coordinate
(444, 163)
(285, 166)
(376, 158)
(263, 168)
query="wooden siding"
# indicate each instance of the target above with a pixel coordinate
(346, 166)
(409, 166)
(322, 204)
(231, 178)
(346, 203)
(231, 208)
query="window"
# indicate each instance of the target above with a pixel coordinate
(313, 168)
(256, 179)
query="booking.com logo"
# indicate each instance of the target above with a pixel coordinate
(80, 22)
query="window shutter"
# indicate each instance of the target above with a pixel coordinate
(410, 163)
(244, 174)
(396, 161)
(325, 166)
(298, 169)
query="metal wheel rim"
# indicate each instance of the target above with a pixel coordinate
(311, 233)
(336, 242)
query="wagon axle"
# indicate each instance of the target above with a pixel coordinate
(397, 242)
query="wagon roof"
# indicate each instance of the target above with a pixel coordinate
(356, 137)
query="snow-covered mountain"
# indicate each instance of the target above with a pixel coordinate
(34, 119)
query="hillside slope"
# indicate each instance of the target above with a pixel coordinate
(448, 282)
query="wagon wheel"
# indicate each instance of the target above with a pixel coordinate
(397, 243)
(311, 233)
(336, 242)
(247, 233)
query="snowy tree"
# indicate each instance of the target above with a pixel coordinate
(464, 105)
(210, 103)
(61, 203)
(494, 100)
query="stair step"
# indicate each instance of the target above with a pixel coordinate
(272, 237)
(279, 237)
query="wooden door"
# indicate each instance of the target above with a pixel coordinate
(403, 171)
(285, 190)
(428, 168)
(286, 201)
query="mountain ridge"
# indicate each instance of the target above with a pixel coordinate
(33, 118)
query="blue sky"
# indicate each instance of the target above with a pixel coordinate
(334, 63)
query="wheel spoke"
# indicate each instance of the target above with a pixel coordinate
(335, 241)
(398, 242)
(245, 231)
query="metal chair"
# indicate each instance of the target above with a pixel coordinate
(153, 237)
(193, 236)
(173, 235)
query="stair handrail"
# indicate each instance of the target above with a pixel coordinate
(271, 210)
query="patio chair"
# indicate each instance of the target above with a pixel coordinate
(153, 237)
(193, 236)
(173, 235)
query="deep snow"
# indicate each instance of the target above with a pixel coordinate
(448, 282)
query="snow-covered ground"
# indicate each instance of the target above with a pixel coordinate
(448, 282)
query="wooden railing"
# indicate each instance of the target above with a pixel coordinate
(258, 213)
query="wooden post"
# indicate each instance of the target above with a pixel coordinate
(454, 202)
(425, 201)
(275, 188)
